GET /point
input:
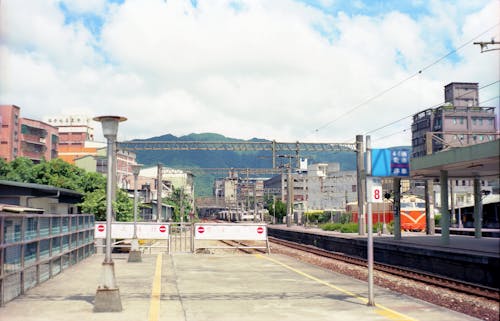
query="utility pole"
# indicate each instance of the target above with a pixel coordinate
(484, 45)
(360, 186)
(159, 202)
(289, 203)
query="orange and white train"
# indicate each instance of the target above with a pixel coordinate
(412, 212)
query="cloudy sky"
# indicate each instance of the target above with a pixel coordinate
(306, 70)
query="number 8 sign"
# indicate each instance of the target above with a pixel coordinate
(374, 190)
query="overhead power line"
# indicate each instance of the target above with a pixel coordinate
(399, 83)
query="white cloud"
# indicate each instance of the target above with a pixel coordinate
(269, 69)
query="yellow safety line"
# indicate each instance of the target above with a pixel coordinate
(382, 310)
(154, 306)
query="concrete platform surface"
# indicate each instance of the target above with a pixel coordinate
(198, 287)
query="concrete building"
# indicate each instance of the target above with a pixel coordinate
(329, 188)
(171, 180)
(23, 137)
(99, 163)
(459, 122)
(38, 140)
(76, 136)
(9, 132)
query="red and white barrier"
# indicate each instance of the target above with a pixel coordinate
(232, 232)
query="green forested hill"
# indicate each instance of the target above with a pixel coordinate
(225, 159)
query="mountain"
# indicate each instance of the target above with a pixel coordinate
(196, 160)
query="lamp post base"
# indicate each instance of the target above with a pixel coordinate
(107, 298)
(134, 256)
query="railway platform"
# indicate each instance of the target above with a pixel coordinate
(197, 287)
(464, 258)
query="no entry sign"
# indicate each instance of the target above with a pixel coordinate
(125, 230)
(201, 229)
(260, 230)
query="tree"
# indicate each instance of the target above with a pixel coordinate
(19, 170)
(95, 202)
(123, 207)
(178, 201)
(279, 210)
(59, 173)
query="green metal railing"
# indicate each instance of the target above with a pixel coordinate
(36, 247)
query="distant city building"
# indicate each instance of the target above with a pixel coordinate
(459, 122)
(171, 179)
(321, 186)
(329, 187)
(23, 137)
(99, 163)
(239, 191)
(76, 136)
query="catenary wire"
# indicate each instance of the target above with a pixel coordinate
(406, 79)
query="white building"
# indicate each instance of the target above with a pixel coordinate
(330, 188)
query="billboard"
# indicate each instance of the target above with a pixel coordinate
(391, 162)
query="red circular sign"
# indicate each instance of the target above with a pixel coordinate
(163, 229)
(100, 228)
(260, 230)
(201, 229)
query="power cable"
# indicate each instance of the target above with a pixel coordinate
(406, 79)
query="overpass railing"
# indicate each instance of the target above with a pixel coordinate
(36, 247)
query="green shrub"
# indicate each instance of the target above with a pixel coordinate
(437, 219)
(344, 228)
(349, 228)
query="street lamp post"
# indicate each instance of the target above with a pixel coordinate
(135, 254)
(107, 297)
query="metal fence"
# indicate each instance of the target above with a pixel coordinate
(36, 247)
(181, 238)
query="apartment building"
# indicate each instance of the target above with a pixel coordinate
(24, 137)
(9, 132)
(459, 122)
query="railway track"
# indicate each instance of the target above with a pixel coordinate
(435, 280)
(243, 247)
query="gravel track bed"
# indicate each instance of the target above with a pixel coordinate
(481, 308)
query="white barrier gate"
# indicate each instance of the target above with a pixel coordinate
(125, 230)
(232, 232)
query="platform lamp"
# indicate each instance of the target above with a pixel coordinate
(135, 253)
(107, 297)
